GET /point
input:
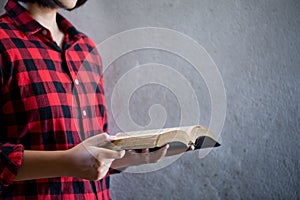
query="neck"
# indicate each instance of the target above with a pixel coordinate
(45, 16)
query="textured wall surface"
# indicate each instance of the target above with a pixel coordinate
(256, 46)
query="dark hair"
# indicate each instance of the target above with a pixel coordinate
(54, 3)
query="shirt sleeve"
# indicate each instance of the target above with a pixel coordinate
(10, 154)
(10, 161)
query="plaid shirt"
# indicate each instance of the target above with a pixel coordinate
(51, 98)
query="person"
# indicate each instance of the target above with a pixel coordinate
(52, 126)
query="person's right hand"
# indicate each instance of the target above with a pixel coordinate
(89, 161)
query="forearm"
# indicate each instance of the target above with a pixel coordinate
(43, 164)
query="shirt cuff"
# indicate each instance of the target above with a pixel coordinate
(116, 171)
(11, 156)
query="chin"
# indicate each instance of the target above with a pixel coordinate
(69, 4)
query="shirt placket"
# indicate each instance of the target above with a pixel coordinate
(78, 102)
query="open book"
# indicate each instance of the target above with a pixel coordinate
(178, 138)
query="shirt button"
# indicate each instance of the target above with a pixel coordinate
(44, 32)
(76, 82)
(84, 113)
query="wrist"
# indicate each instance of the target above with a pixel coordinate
(62, 163)
(67, 162)
(43, 164)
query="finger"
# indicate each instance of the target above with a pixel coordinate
(191, 148)
(99, 140)
(154, 149)
(160, 154)
(147, 158)
(164, 150)
(145, 150)
(166, 146)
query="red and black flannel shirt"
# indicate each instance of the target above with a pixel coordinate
(50, 99)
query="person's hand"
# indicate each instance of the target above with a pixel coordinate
(89, 161)
(144, 156)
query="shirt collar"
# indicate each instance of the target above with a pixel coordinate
(25, 22)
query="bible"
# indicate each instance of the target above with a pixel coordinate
(179, 139)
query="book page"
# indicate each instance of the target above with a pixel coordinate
(145, 133)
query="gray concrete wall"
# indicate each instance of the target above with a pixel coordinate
(256, 46)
